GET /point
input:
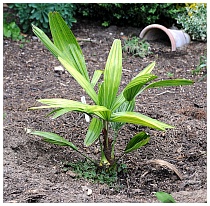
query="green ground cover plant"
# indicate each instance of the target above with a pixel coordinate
(110, 109)
(11, 29)
(136, 47)
(90, 171)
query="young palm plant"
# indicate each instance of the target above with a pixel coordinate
(110, 109)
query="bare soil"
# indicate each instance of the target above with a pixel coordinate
(33, 168)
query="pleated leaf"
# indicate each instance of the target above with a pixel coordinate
(85, 84)
(59, 112)
(112, 75)
(125, 107)
(54, 139)
(96, 76)
(71, 105)
(101, 94)
(135, 85)
(67, 50)
(105, 115)
(137, 141)
(169, 82)
(137, 118)
(147, 70)
(70, 67)
(46, 41)
(93, 132)
(118, 102)
(66, 42)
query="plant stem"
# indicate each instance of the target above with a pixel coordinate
(106, 133)
(107, 143)
(113, 143)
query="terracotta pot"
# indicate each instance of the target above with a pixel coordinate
(178, 38)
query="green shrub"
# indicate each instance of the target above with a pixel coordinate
(135, 14)
(194, 21)
(37, 14)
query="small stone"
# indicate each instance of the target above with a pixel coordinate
(89, 192)
(96, 151)
(84, 188)
(59, 69)
(12, 201)
(34, 38)
(71, 174)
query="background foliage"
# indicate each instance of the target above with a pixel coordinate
(190, 17)
(37, 14)
(193, 20)
(135, 14)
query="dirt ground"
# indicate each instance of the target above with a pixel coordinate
(32, 168)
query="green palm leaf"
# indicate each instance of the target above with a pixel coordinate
(96, 76)
(133, 88)
(46, 41)
(54, 139)
(67, 50)
(112, 75)
(66, 42)
(118, 102)
(105, 115)
(71, 105)
(58, 112)
(86, 85)
(169, 82)
(137, 118)
(147, 70)
(93, 132)
(137, 141)
(125, 107)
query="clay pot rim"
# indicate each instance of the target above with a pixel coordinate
(163, 28)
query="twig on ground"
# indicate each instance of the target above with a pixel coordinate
(167, 164)
(167, 91)
(86, 40)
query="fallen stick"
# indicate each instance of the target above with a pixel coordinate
(86, 40)
(167, 91)
(167, 164)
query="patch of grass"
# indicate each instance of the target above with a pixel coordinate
(90, 171)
